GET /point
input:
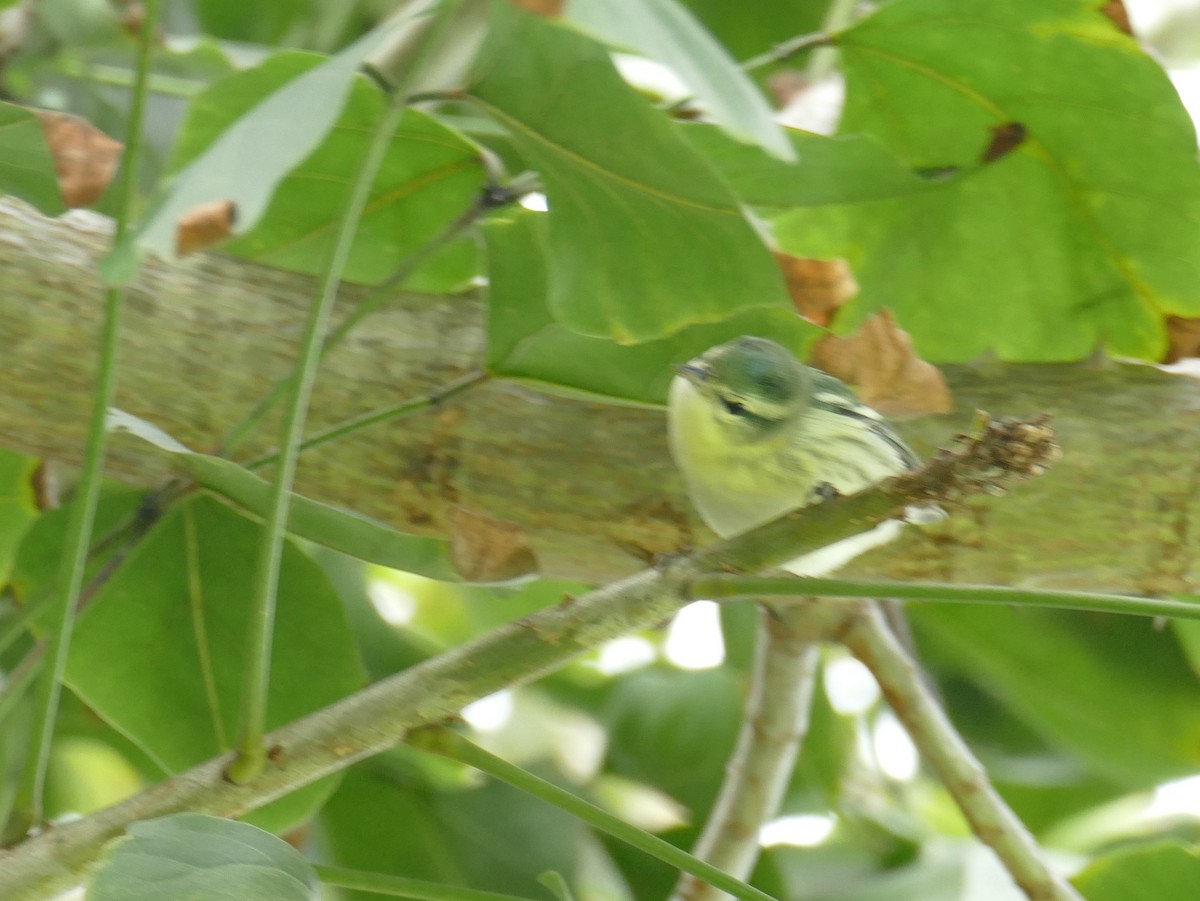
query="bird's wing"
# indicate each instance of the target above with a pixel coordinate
(832, 396)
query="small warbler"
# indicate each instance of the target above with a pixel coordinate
(756, 433)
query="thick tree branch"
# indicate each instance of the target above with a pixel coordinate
(380, 716)
(593, 485)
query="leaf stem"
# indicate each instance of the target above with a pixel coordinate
(60, 623)
(399, 887)
(252, 751)
(445, 742)
(724, 587)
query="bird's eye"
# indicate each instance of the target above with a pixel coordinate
(736, 407)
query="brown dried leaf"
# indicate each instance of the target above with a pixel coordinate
(204, 225)
(1183, 339)
(1115, 11)
(880, 360)
(484, 548)
(1005, 139)
(819, 288)
(85, 158)
(546, 8)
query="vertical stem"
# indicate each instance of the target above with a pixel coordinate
(773, 727)
(256, 672)
(60, 622)
(869, 638)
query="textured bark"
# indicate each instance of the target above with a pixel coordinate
(592, 485)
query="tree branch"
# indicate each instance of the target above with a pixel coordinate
(773, 727)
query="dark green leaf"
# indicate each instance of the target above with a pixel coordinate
(525, 342)
(1082, 682)
(158, 652)
(18, 508)
(1082, 235)
(429, 176)
(667, 31)
(1164, 872)
(644, 237)
(192, 857)
(26, 166)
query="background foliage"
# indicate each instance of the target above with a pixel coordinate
(1078, 236)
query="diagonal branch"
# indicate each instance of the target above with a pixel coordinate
(868, 637)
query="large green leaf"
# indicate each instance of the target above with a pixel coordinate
(387, 817)
(829, 170)
(428, 177)
(201, 858)
(249, 159)
(667, 31)
(1082, 235)
(1082, 682)
(26, 166)
(644, 237)
(1162, 871)
(526, 342)
(158, 652)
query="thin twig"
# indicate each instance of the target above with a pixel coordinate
(868, 637)
(773, 727)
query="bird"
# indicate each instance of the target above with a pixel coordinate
(755, 433)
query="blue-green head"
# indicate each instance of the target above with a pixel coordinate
(751, 386)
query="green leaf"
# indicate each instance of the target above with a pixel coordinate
(429, 176)
(332, 527)
(165, 633)
(526, 343)
(26, 166)
(1081, 682)
(201, 858)
(252, 156)
(1162, 871)
(18, 507)
(842, 169)
(490, 836)
(554, 881)
(645, 238)
(668, 32)
(1082, 235)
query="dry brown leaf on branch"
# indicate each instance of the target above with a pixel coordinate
(819, 288)
(486, 548)
(204, 225)
(1115, 11)
(85, 158)
(879, 359)
(1183, 339)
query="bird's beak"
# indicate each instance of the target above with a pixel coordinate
(695, 373)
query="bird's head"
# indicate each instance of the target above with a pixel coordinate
(750, 386)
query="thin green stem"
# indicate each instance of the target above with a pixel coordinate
(720, 587)
(399, 887)
(787, 49)
(358, 423)
(445, 742)
(27, 809)
(256, 672)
